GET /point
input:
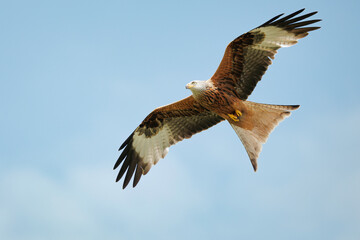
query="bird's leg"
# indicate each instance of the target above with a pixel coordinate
(235, 118)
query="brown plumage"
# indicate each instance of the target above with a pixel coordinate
(221, 97)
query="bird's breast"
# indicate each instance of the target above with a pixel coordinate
(217, 101)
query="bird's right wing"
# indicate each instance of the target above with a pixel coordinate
(162, 128)
(247, 57)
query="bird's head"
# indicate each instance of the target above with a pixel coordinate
(197, 86)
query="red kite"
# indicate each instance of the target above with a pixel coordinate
(222, 97)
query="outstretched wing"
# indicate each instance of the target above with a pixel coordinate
(162, 128)
(247, 57)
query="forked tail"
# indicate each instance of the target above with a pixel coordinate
(256, 123)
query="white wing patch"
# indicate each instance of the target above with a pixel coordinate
(152, 149)
(276, 38)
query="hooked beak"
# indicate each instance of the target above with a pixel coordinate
(189, 85)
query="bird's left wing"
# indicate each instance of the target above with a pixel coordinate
(162, 128)
(247, 57)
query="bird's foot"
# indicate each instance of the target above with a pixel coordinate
(235, 118)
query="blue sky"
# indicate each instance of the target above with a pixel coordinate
(78, 76)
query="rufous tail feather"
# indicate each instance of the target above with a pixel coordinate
(256, 123)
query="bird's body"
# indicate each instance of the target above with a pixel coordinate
(222, 97)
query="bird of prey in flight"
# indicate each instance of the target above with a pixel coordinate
(222, 97)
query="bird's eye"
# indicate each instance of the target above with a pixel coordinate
(193, 82)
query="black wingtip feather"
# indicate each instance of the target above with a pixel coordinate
(281, 20)
(126, 141)
(122, 156)
(273, 19)
(125, 166)
(138, 174)
(312, 28)
(301, 24)
(289, 22)
(131, 170)
(301, 17)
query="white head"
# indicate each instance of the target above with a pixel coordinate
(197, 86)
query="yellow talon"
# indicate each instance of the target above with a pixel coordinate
(238, 113)
(233, 117)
